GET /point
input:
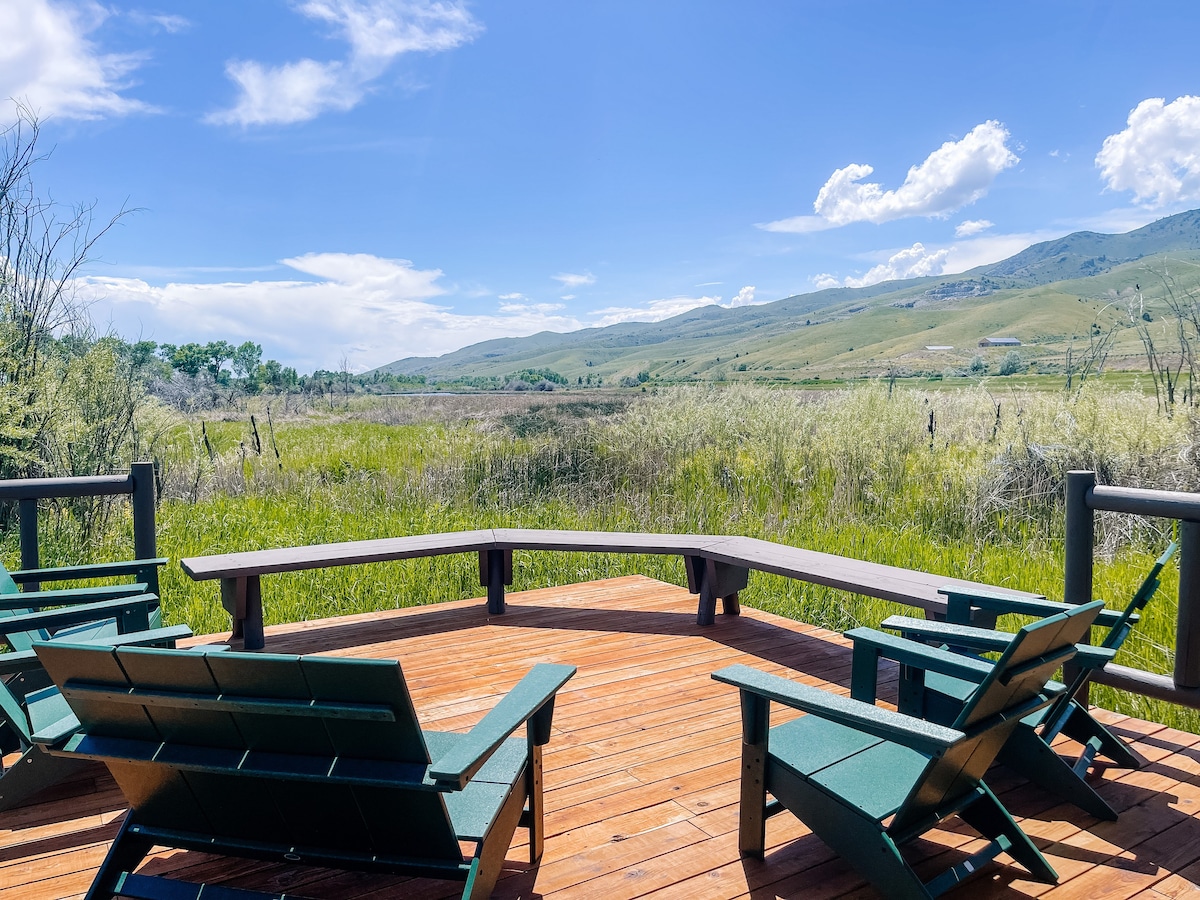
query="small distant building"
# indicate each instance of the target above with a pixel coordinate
(938, 347)
(999, 342)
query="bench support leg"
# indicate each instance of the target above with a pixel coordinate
(495, 571)
(242, 597)
(711, 580)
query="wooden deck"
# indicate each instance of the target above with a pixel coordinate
(642, 770)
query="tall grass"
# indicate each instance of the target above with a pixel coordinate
(967, 484)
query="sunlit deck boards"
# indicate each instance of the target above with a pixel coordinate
(642, 771)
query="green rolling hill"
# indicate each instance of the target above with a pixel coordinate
(1053, 297)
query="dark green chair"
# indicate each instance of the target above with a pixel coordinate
(867, 780)
(310, 760)
(28, 706)
(1029, 750)
(15, 602)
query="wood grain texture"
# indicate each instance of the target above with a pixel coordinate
(642, 767)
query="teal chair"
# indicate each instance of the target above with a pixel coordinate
(867, 780)
(1029, 751)
(15, 602)
(308, 760)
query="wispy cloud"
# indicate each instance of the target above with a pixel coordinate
(956, 174)
(377, 32)
(969, 227)
(171, 24)
(657, 310)
(570, 281)
(654, 311)
(48, 62)
(1157, 155)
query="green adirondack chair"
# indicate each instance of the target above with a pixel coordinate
(15, 603)
(849, 767)
(25, 710)
(1028, 751)
(300, 759)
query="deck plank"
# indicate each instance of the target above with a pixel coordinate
(642, 770)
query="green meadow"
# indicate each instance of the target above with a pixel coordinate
(967, 483)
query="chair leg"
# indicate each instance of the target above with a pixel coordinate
(536, 807)
(129, 849)
(989, 817)
(33, 772)
(1082, 727)
(752, 816)
(494, 847)
(1027, 754)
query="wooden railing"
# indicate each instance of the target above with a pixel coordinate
(1084, 498)
(138, 484)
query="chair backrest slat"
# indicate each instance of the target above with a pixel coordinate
(1011, 690)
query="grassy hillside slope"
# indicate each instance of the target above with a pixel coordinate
(887, 327)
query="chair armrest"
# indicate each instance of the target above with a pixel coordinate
(91, 570)
(1089, 657)
(39, 599)
(918, 655)
(922, 736)
(532, 694)
(959, 603)
(132, 614)
(982, 639)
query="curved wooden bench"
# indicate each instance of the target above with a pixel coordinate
(718, 567)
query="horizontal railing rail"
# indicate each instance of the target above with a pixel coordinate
(1084, 498)
(138, 484)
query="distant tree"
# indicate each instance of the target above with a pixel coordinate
(188, 358)
(217, 353)
(978, 366)
(1012, 363)
(246, 359)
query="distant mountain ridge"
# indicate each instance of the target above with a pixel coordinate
(1047, 292)
(1086, 253)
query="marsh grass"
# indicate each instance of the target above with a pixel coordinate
(859, 472)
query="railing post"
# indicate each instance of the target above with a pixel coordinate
(1079, 546)
(145, 541)
(1080, 538)
(1187, 622)
(27, 513)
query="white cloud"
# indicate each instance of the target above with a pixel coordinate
(569, 281)
(371, 309)
(513, 296)
(567, 297)
(745, 297)
(48, 63)
(1157, 156)
(913, 262)
(955, 175)
(377, 31)
(969, 227)
(294, 92)
(654, 311)
(992, 248)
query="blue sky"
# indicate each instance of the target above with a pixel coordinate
(364, 180)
